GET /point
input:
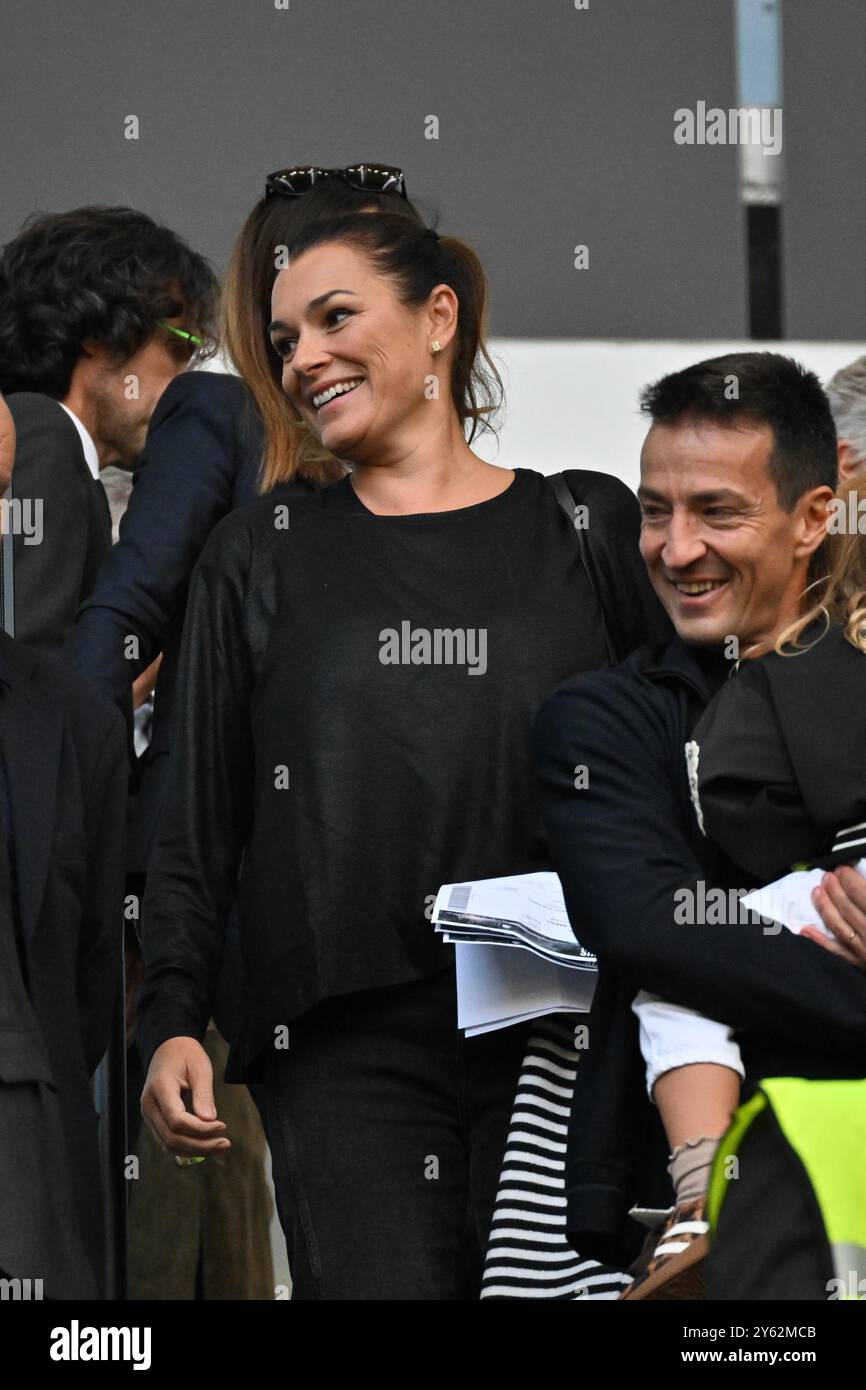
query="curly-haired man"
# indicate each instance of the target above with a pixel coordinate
(100, 308)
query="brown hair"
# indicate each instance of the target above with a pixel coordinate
(273, 223)
(416, 259)
(842, 590)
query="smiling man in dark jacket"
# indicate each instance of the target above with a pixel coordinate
(737, 471)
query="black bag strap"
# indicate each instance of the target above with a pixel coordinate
(565, 498)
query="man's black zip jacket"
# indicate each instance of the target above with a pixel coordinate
(623, 846)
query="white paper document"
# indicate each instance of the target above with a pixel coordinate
(497, 988)
(788, 900)
(522, 909)
(517, 957)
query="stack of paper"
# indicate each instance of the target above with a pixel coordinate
(548, 972)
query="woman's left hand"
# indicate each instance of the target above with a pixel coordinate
(840, 901)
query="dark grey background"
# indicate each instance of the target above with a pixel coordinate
(824, 101)
(556, 128)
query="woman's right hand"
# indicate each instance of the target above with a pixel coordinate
(179, 1065)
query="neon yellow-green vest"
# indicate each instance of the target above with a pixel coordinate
(825, 1124)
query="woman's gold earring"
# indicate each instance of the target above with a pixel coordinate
(435, 346)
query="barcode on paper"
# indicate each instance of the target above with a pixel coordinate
(459, 897)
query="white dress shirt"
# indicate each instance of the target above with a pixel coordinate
(91, 457)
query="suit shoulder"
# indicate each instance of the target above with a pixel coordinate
(208, 391)
(244, 544)
(217, 411)
(614, 684)
(607, 493)
(48, 448)
(32, 408)
(243, 532)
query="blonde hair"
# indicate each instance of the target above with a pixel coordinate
(842, 588)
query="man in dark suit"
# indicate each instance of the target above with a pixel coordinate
(100, 308)
(201, 460)
(63, 778)
(65, 530)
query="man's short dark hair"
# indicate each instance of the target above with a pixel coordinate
(761, 388)
(101, 273)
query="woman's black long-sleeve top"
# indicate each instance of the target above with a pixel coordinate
(354, 704)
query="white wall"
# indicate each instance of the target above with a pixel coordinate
(574, 404)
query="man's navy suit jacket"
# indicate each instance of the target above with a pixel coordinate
(201, 460)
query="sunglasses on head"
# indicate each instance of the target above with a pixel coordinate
(301, 178)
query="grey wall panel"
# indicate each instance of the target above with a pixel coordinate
(824, 227)
(556, 128)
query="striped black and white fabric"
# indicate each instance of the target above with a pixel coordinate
(851, 838)
(529, 1254)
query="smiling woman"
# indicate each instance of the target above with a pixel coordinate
(259, 253)
(355, 773)
(357, 361)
